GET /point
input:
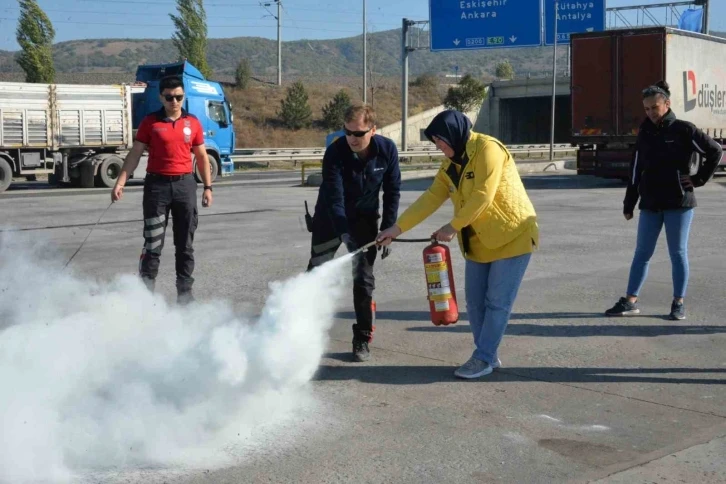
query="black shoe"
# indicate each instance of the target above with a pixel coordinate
(678, 312)
(184, 298)
(623, 308)
(361, 351)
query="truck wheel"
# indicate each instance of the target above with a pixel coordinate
(6, 175)
(213, 164)
(109, 171)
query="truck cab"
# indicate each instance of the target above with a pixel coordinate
(203, 98)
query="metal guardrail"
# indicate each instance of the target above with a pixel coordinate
(263, 155)
(421, 147)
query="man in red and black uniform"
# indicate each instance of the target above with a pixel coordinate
(170, 136)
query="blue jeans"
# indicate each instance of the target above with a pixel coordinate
(678, 226)
(490, 292)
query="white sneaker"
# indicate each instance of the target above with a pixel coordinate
(473, 369)
(497, 364)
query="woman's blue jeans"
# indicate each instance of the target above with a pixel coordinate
(678, 225)
(490, 292)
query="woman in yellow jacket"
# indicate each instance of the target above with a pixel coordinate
(494, 221)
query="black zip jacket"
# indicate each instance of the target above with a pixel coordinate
(351, 187)
(663, 153)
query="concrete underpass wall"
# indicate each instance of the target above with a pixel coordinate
(519, 111)
(528, 120)
(416, 126)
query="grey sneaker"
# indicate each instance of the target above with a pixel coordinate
(473, 369)
(623, 308)
(678, 312)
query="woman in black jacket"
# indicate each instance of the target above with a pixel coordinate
(663, 177)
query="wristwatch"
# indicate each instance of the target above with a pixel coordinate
(209, 187)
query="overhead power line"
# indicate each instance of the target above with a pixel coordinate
(215, 4)
(136, 14)
(211, 26)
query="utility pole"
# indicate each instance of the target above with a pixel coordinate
(554, 84)
(404, 83)
(406, 49)
(279, 42)
(365, 55)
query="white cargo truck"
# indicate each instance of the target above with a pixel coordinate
(80, 134)
(72, 133)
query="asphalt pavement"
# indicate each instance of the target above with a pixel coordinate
(580, 397)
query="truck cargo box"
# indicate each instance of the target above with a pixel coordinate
(59, 116)
(610, 69)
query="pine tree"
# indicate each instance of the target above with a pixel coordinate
(35, 35)
(334, 111)
(243, 74)
(190, 37)
(295, 112)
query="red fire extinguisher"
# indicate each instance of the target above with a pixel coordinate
(440, 284)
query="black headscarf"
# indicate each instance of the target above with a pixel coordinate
(453, 128)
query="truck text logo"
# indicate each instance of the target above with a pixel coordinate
(707, 97)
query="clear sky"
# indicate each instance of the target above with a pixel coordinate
(302, 19)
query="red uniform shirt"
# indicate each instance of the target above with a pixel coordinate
(170, 142)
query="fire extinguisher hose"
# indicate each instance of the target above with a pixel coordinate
(430, 239)
(371, 244)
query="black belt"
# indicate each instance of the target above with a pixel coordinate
(157, 176)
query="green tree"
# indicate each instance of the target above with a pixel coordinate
(190, 37)
(505, 70)
(243, 74)
(467, 95)
(334, 111)
(35, 35)
(295, 112)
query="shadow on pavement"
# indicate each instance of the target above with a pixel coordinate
(424, 315)
(580, 331)
(569, 181)
(420, 375)
(550, 181)
(551, 330)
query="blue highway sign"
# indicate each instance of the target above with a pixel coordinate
(484, 24)
(575, 16)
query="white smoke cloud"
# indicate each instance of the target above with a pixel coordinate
(98, 376)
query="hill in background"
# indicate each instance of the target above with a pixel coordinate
(325, 66)
(325, 60)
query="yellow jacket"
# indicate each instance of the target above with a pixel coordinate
(490, 198)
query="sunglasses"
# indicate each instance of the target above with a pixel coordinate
(357, 134)
(169, 97)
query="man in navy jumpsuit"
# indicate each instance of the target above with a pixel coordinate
(355, 168)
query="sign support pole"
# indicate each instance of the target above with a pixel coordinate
(404, 84)
(554, 85)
